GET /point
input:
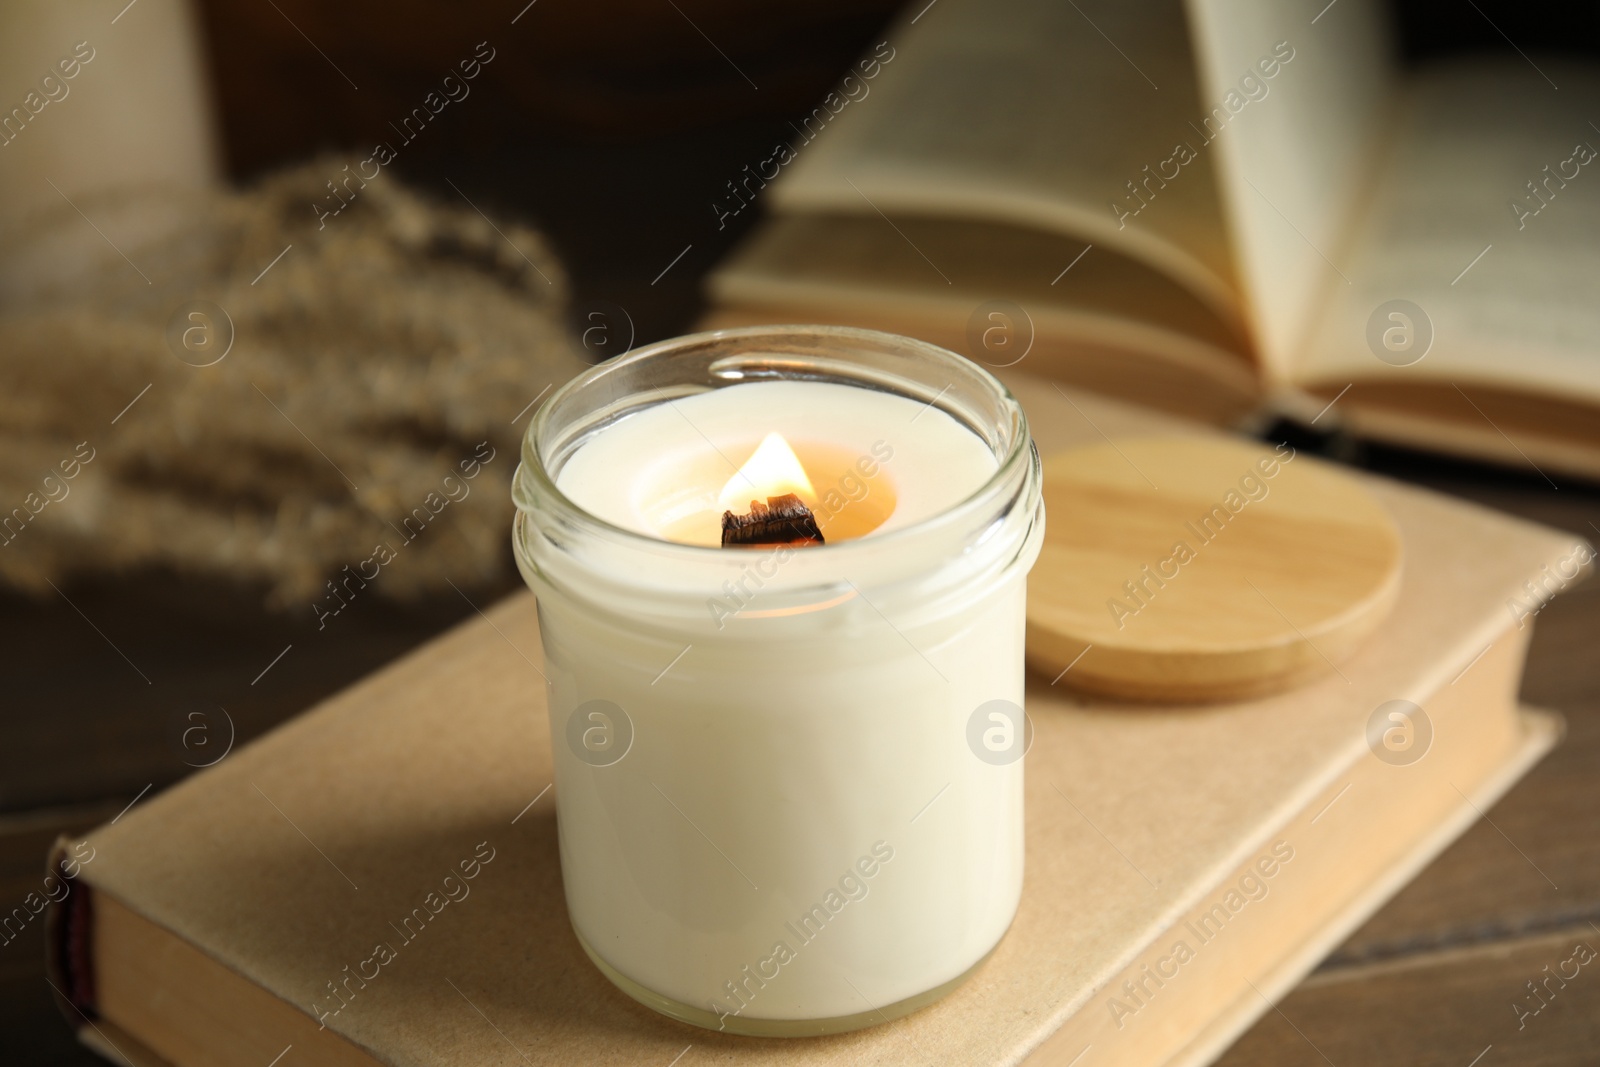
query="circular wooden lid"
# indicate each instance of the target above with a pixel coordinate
(1181, 569)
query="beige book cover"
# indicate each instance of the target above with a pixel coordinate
(378, 881)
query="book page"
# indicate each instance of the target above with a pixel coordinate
(1111, 323)
(1292, 112)
(1488, 221)
(790, 254)
(1032, 113)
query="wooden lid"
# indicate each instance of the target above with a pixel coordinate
(1183, 569)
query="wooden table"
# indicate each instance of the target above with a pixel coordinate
(1434, 978)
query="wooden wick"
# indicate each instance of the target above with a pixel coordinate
(782, 520)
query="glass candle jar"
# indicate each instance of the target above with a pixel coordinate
(788, 779)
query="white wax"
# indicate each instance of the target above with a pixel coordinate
(779, 757)
(663, 468)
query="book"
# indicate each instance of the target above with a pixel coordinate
(378, 880)
(1224, 208)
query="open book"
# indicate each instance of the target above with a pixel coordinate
(1219, 207)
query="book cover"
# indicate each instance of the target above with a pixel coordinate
(379, 880)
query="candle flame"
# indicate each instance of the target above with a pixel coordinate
(772, 470)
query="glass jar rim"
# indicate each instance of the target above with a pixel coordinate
(536, 483)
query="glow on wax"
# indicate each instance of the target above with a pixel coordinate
(866, 462)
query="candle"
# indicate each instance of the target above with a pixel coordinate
(788, 779)
(103, 115)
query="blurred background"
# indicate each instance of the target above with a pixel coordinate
(575, 175)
